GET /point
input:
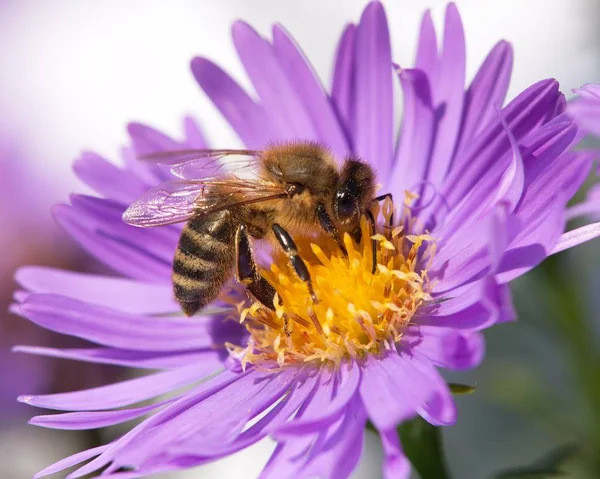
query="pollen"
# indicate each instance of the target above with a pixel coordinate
(360, 309)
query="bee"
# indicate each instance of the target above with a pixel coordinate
(274, 194)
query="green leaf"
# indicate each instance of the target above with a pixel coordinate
(461, 388)
(547, 467)
(422, 444)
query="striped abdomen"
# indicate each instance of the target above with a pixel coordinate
(204, 259)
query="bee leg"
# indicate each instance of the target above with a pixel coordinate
(373, 242)
(289, 247)
(383, 197)
(247, 273)
(327, 224)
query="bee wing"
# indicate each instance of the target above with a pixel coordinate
(190, 164)
(179, 200)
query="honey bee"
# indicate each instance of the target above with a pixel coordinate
(275, 193)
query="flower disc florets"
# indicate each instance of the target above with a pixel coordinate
(358, 311)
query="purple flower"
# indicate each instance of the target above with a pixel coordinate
(489, 187)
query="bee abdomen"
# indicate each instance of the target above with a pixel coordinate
(203, 261)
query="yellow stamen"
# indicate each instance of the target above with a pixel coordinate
(357, 312)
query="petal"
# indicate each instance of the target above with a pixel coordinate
(132, 260)
(439, 408)
(427, 52)
(276, 92)
(107, 179)
(248, 119)
(71, 461)
(523, 115)
(118, 394)
(333, 453)
(586, 112)
(148, 140)
(577, 236)
(373, 97)
(447, 347)
(384, 392)
(513, 178)
(201, 392)
(127, 295)
(194, 137)
(92, 419)
(336, 452)
(207, 426)
(448, 95)
(396, 465)
(211, 359)
(310, 91)
(118, 329)
(486, 93)
(331, 399)
(416, 137)
(342, 86)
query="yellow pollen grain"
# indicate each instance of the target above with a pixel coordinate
(358, 312)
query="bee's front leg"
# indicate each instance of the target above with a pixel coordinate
(328, 225)
(290, 249)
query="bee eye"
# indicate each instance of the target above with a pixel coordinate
(345, 205)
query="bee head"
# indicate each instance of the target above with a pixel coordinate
(355, 192)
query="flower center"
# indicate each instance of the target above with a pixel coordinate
(358, 311)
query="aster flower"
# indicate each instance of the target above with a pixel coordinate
(480, 193)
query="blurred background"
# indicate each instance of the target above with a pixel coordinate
(73, 73)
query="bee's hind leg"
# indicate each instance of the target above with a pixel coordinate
(248, 274)
(290, 249)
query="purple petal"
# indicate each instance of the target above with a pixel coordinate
(447, 347)
(132, 260)
(123, 294)
(107, 179)
(333, 453)
(118, 329)
(427, 53)
(198, 394)
(589, 91)
(310, 91)
(396, 465)
(217, 420)
(384, 393)
(118, 394)
(194, 137)
(148, 140)
(342, 87)
(439, 408)
(373, 97)
(486, 93)
(272, 85)
(93, 419)
(211, 359)
(586, 112)
(448, 95)
(577, 236)
(416, 138)
(513, 178)
(248, 119)
(336, 452)
(523, 115)
(71, 461)
(331, 399)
